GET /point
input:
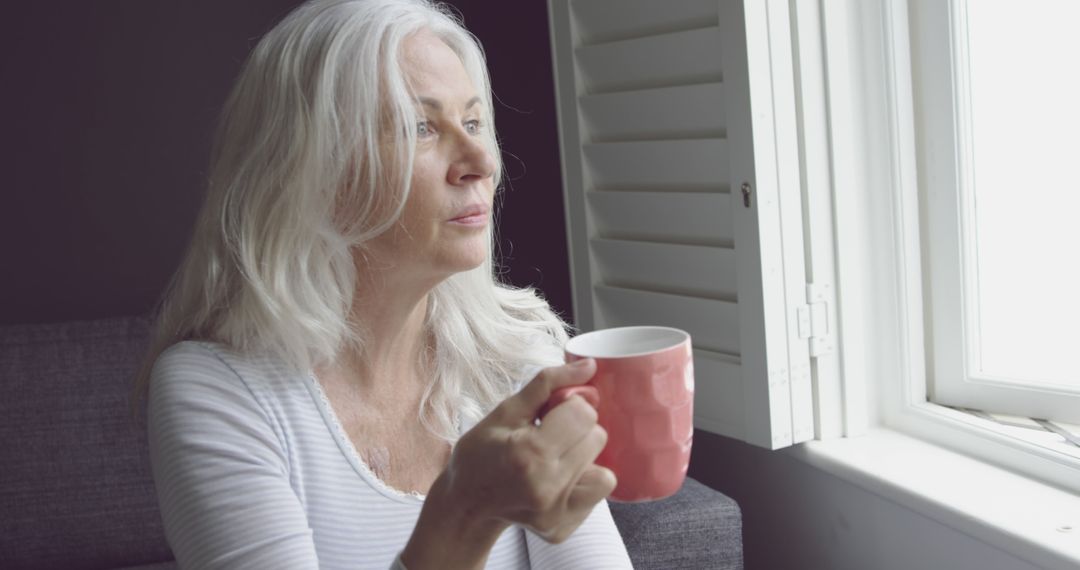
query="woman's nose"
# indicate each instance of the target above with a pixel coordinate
(472, 163)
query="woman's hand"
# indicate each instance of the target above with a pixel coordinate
(541, 477)
(508, 470)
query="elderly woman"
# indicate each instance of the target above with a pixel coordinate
(338, 380)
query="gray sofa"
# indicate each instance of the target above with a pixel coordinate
(75, 485)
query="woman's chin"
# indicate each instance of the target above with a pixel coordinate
(469, 265)
(465, 261)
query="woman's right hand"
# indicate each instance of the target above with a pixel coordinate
(508, 470)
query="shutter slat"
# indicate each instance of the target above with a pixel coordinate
(687, 111)
(696, 270)
(680, 165)
(608, 20)
(654, 61)
(712, 324)
(718, 393)
(704, 218)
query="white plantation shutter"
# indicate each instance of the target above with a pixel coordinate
(668, 110)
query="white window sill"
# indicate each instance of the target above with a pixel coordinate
(1028, 519)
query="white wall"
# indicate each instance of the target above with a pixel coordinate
(799, 517)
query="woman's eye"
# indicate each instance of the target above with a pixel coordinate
(423, 128)
(473, 126)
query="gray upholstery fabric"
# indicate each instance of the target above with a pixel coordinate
(75, 487)
(695, 528)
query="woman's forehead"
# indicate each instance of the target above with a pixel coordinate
(435, 72)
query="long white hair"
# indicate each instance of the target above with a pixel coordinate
(312, 159)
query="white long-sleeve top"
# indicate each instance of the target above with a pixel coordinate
(253, 470)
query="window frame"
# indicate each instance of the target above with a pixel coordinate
(946, 186)
(879, 247)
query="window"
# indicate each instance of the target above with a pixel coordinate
(997, 152)
(892, 134)
(994, 138)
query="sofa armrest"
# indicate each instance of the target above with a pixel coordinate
(697, 527)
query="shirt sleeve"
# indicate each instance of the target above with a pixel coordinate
(596, 544)
(219, 469)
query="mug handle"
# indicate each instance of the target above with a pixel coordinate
(589, 393)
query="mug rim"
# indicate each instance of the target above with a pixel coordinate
(685, 337)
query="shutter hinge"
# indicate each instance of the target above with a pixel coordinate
(813, 318)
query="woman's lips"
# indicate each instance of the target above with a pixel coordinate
(472, 215)
(471, 220)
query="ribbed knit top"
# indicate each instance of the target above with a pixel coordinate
(253, 470)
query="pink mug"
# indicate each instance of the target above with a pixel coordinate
(643, 392)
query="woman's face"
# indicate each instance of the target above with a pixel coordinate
(442, 229)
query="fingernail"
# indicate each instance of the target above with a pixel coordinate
(581, 363)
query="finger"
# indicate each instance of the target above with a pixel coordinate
(583, 453)
(524, 405)
(567, 423)
(590, 393)
(595, 484)
(559, 534)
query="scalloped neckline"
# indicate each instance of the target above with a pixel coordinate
(337, 431)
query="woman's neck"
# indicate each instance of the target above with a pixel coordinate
(393, 359)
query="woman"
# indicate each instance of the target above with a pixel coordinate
(338, 381)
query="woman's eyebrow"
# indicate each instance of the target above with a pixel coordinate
(437, 105)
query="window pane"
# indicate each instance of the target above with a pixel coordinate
(1025, 150)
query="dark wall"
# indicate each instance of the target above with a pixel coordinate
(108, 110)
